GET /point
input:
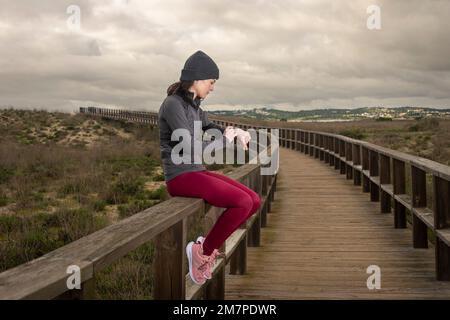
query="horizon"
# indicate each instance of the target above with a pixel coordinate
(75, 111)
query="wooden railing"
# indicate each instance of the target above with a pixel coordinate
(382, 172)
(165, 224)
(118, 114)
(379, 171)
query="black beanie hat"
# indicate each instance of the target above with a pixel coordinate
(199, 66)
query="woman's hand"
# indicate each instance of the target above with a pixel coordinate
(230, 134)
(243, 137)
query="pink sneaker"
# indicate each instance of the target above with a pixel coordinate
(198, 263)
(211, 259)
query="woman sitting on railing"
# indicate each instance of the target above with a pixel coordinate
(179, 111)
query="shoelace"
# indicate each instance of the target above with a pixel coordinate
(214, 255)
(204, 262)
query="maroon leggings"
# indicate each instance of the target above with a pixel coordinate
(220, 191)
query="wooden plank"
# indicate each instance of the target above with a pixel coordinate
(96, 250)
(444, 235)
(322, 250)
(419, 200)
(43, 278)
(233, 242)
(425, 215)
(169, 265)
(404, 199)
(388, 188)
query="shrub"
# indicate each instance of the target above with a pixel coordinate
(354, 133)
(5, 174)
(99, 205)
(9, 224)
(127, 210)
(159, 177)
(127, 185)
(3, 199)
(159, 194)
(125, 280)
(77, 223)
(425, 124)
(384, 119)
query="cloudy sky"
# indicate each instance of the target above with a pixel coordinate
(288, 54)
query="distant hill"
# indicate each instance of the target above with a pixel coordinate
(380, 113)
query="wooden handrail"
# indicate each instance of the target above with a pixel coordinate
(165, 223)
(372, 166)
(45, 277)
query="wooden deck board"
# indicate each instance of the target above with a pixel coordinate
(322, 234)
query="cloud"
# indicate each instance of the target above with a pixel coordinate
(289, 54)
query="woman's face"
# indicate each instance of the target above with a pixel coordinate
(202, 88)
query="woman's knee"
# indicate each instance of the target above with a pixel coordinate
(256, 202)
(246, 202)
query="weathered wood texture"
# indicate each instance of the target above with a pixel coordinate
(321, 236)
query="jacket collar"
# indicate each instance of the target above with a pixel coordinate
(188, 97)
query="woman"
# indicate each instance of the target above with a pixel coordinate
(179, 111)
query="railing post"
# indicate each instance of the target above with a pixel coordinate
(343, 167)
(264, 206)
(87, 292)
(385, 178)
(349, 157)
(321, 152)
(316, 145)
(399, 188)
(356, 162)
(337, 160)
(306, 142)
(238, 262)
(302, 141)
(374, 172)
(215, 289)
(419, 200)
(327, 149)
(297, 140)
(169, 263)
(441, 209)
(274, 187)
(255, 230)
(288, 137)
(331, 148)
(365, 167)
(294, 139)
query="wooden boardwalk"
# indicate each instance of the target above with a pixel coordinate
(321, 236)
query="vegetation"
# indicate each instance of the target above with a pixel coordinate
(63, 177)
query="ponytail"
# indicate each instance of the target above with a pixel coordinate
(174, 87)
(179, 87)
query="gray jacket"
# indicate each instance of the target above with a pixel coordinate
(175, 113)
